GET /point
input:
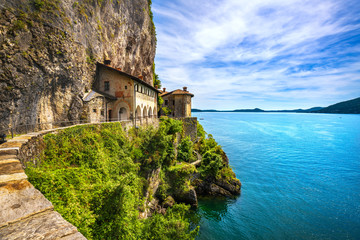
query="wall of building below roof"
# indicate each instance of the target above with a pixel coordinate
(94, 110)
(180, 105)
(146, 105)
(122, 87)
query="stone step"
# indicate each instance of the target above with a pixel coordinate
(12, 177)
(22, 138)
(46, 225)
(19, 200)
(7, 156)
(9, 151)
(11, 145)
(10, 166)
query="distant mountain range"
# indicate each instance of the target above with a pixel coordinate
(351, 107)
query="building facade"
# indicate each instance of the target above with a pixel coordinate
(178, 102)
(118, 96)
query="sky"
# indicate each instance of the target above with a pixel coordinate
(279, 54)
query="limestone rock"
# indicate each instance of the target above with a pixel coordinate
(215, 190)
(48, 54)
(188, 197)
(213, 187)
(232, 185)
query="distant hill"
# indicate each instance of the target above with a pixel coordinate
(298, 110)
(208, 110)
(350, 106)
(249, 110)
(257, 110)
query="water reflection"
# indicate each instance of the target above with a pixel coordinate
(214, 209)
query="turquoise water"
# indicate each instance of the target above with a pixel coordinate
(300, 176)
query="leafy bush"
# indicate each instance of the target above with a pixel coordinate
(170, 126)
(211, 164)
(200, 131)
(169, 227)
(179, 176)
(95, 177)
(185, 150)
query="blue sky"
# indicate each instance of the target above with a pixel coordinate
(279, 54)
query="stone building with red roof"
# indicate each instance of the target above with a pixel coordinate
(118, 96)
(178, 102)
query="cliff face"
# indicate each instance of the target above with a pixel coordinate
(48, 51)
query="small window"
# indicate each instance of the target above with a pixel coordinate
(173, 102)
(102, 112)
(106, 86)
(166, 102)
(94, 110)
(125, 87)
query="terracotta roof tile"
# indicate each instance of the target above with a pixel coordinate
(177, 92)
(128, 75)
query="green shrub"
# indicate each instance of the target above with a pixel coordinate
(170, 126)
(200, 130)
(19, 25)
(211, 164)
(179, 176)
(171, 226)
(95, 177)
(186, 150)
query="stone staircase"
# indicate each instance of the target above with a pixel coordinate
(24, 212)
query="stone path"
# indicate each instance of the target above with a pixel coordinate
(24, 212)
(198, 161)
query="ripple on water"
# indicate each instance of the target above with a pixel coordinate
(300, 176)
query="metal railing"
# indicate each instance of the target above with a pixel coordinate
(28, 128)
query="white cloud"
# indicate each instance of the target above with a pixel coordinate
(258, 52)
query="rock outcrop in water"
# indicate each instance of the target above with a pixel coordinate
(48, 50)
(224, 184)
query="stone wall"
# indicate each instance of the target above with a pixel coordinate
(179, 105)
(190, 127)
(94, 110)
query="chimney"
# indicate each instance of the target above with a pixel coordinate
(185, 89)
(164, 89)
(107, 62)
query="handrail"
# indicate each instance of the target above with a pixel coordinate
(27, 128)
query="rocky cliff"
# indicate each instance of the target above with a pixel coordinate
(48, 51)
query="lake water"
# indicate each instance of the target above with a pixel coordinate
(300, 176)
